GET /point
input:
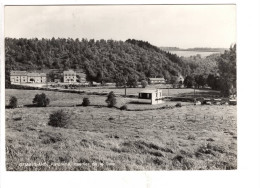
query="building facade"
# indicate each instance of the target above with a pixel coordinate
(151, 96)
(34, 77)
(18, 77)
(157, 81)
(69, 76)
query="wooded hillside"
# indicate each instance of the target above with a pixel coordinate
(102, 60)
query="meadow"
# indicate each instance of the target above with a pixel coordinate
(99, 138)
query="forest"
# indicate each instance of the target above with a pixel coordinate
(106, 60)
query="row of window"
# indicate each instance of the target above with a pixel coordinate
(148, 95)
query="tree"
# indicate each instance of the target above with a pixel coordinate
(211, 81)
(132, 81)
(100, 77)
(188, 81)
(227, 70)
(85, 102)
(200, 80)
(144, 83)
(51, 76)
(120, 80)
(111, 99)
(59, 119)
(41, 100)
(13, 102)
(173, 81)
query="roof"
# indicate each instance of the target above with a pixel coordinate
(69, 71)
(18, 73)
(157, 79)
(150, 91)
(36, 74)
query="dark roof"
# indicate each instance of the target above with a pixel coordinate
(18, 73)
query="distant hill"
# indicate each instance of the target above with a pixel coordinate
(197, 49)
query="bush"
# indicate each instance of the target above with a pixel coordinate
(13, 103)
(144, 83)
(85, 102)
(111, 99)
(124, 107)
(59, 119)
(178, 104)
(41, 100)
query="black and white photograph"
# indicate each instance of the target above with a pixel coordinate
(120, 88)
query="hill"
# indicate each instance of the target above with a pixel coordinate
(197, 49)
(102, 60)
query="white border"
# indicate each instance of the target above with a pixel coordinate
(248, 173)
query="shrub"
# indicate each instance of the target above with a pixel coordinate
(85, 102)
(41, 100)
(59, 119)
(144, 83)
(178, 104)
(124, 107)
(13, 102)
(111, 99)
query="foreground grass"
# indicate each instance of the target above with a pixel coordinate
(187, 138)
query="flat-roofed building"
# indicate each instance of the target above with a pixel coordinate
(151, 96)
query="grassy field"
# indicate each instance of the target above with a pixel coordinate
(101, 138)
(166, 92)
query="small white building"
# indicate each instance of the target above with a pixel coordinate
(69, 76)
(157, 81)
(22, 77)
(151, 96)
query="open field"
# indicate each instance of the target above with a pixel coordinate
(166, 92)
(101, 138)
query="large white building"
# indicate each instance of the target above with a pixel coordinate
(18, 77)
(69, 76)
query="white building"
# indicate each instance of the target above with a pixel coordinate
(69, 76)
(18, 77)
(151, 96)
(157, 81)
(34, 77)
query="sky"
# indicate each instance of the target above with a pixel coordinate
(184, 26)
